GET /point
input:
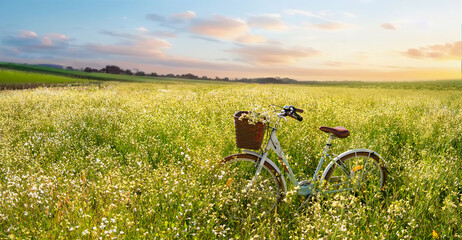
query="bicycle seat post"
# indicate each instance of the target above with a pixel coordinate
(329, 142)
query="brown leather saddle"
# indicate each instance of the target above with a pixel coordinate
(339, 132)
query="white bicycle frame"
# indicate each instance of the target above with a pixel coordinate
(304, 190)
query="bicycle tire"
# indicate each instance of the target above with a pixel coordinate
(362, 176)
(262, 198)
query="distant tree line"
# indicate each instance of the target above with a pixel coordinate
(112, 69)
(267, 80)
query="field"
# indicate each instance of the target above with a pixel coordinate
(52, 76)
(131, 160)
(22, 80)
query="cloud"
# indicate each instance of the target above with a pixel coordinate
(176, 18)
(133, 50)
(46, 42)
(447, 51)
(28, 35)
(140, 45)
(21, 40)
(32, 46)
(273, 55)
(268, 22)
(26, 41)
(225, 28)
(388, 26)
(331, 26)
(208, 39)
(165, 34)
(334, 63)
(220, 27)
(57, 36)
(324, 15)
(55, 40)
(142, 29)
(324, 20)
(250, 38)
(116, 34)
(184, 15)
(139, 48)
(143, 32)
(155, 17)
(349, 14)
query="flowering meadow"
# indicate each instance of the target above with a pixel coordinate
(140, 160)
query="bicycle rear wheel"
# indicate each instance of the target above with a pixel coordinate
(357, 171)
(239, 199)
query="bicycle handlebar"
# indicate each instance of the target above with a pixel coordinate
(291, 111)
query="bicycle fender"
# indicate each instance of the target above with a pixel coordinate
(272, 165)
(371, 152)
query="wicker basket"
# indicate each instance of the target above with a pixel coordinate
(249, 136)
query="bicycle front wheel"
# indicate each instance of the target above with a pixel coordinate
(242, 196)
(357, 171)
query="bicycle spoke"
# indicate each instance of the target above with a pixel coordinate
(363, 174)
(246, 195)
(363, 170)
(339, 184)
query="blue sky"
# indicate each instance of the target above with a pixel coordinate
(304, 40)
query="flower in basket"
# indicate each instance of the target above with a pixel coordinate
(255, 117)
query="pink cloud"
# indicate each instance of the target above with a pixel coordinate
(447, 51)
(53, 39)
(26, 39)
(140, 48)
(46, 42)
(388, 26)
(154, 43)
(176, 18)
(268, 22)
(220, 27)
(57, 36)
(30, 45)
(273, 55)
(28, 35)
(331, 26)
(334, 63)
(184, 15)
(250, 38)
(142, 29)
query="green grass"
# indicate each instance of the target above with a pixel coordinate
(10, 77)
(138, 160)
(450, 84)
(68, 73)
(21, 76)
(93, 75)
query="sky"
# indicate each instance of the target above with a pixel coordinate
(361, 40)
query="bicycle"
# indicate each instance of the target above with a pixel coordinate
(254, 185)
